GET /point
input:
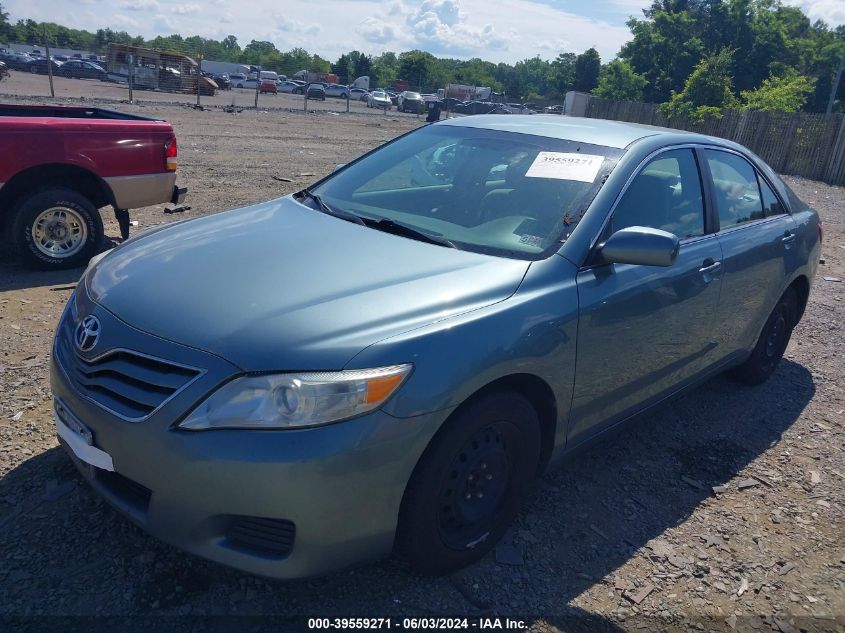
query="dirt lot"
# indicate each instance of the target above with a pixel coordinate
(723, 510)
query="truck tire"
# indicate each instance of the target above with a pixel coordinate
(56, 228)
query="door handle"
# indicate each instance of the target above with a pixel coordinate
(788, 237)
(709, 266)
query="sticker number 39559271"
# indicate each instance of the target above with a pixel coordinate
(565, 166)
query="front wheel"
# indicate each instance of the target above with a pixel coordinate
(56, 228)
(772, 342)
(469, 484)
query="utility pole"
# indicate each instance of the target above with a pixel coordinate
(49, 67)
(129, 74)
(835, 88)
(199, 78)
(257, 86)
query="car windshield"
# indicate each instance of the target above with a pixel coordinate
(412, 95)
(488, 191)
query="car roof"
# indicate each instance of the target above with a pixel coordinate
(617, 134)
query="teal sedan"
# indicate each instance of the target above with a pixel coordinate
(385, 361)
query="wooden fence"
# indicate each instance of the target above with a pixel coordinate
(796, 143)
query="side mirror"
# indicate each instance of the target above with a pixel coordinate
(641, 245)
(339, 166)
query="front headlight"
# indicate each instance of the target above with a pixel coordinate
(287, 401)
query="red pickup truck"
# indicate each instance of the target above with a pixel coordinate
(59, 165)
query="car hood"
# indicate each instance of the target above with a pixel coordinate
(280, 286)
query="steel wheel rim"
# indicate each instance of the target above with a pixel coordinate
(776, 335)
(59, 232)
(475, 488)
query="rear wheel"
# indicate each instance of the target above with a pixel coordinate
(772, 342)
(56, 228)
(469, 484)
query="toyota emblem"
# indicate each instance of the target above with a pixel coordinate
(87, 333)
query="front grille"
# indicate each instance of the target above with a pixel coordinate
(257, 535)
(127, 383)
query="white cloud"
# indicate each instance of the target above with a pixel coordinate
(139, 5)
(376, 31)
(443, 27)
(124, 22)
(186, 9)
(830, 11)
(288, 25)
(164, 25)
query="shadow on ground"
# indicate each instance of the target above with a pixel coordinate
(67, 552)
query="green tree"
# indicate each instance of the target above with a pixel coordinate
(707, 90)
(787, 93)
(617, 80)
(587, 68)
(563, 69)
(665, 50)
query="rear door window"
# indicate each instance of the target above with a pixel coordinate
(736, 189)
(771, 204)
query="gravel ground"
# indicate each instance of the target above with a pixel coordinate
(721, 511)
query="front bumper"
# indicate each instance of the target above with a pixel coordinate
(340, 486)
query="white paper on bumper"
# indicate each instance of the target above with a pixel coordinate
(88, 454)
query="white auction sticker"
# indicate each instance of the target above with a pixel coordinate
(565, 166)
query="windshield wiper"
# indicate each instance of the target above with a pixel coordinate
(323, 206)
(396, 228)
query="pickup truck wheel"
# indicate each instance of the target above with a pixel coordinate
(772, 342)
(469, 484)
(57, 228)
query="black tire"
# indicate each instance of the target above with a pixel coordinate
(28, 210)
(491, 447)
(772, 342)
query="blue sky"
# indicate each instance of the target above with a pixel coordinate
(495, 30)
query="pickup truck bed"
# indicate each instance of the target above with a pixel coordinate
(59, 165)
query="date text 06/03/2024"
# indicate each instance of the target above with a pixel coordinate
(413, 624)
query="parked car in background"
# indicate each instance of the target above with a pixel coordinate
(249, 84)
(61, 164)
(449, 103)
(221, 79)
(553, 109)
(16, 61)
(4, 71)
(409, 101)
(290, 87)
(358, 93)
(78, 69)
(39, 66)
(316, 91)
(238, 80)
(442, 345)
(394, 97)
(378, 99)
(268, 86)
(336, 90)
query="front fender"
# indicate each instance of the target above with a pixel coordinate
(533, 332)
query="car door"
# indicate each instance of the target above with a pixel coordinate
(758, 239)
(645, 331)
